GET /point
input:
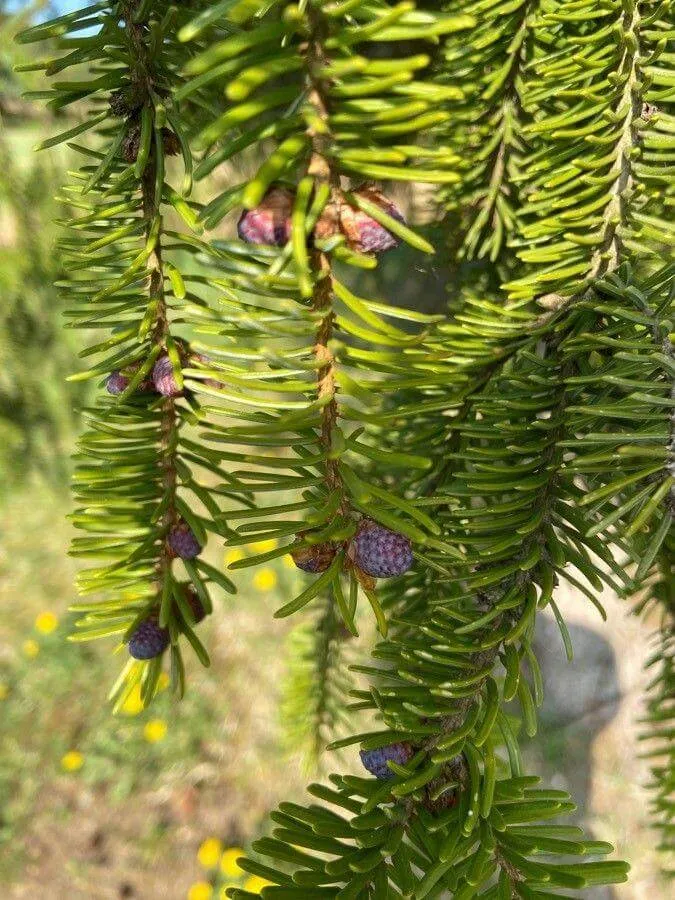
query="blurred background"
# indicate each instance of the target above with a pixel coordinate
(158, 804)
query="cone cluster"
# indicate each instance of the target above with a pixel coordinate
(270, 221)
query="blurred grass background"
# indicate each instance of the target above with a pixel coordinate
(156, 804)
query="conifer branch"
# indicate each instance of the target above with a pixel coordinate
(586, 202)
(490, 139)
(312, 226)
(137, 475)
(142, 81)
(319, 681)
(630, 103)
(510, 447)
(321, 168)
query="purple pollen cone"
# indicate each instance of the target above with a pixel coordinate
(182, 542)
(270, 221)
(116, 383)
(375, 761)
(149, 640)
(365, 234)
(380, 552)
(163, 378)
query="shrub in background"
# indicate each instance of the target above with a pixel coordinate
(37, 409)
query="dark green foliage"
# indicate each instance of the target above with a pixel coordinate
(598, 167)
(524, 439)
(364, 844)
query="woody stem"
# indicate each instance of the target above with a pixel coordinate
(320, 167)
(142, 79)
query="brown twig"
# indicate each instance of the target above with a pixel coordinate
(320, 167)
(143, 80)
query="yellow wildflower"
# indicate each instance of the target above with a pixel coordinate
(200, 890)
(30, 648)
(233, 555)
(228, 862)
(46, 622)
(4, 690)
(265, 580)
(209, 853)
(72, 761)
(255, 884)
(163, 681)
(155, 730)
(264, 546)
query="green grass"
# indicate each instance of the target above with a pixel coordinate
(222, 740)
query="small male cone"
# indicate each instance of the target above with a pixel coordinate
(126, 102)
(164, 379)
(379, 552)
(132, 142)
(270, 221)
(363, 233)
(443, 792)
(195, 604)
(116, 383)
(375, 761)
(182, 542)
(149, 640)
(316, 558)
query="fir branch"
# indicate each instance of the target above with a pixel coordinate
(628, 427)
(318, 682)
(322, 170)
(490, 137)
(615, 215)
(136, 472)
(587, 194)
(327, 91)
(142, 79)
(541, 442)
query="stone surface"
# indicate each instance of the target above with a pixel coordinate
(581, 699)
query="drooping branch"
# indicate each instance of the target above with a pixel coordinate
(583, 155)
(143, 80)
(500, 391)
(141, 505)
(629, 107)
(321, 168)
(492, 132)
